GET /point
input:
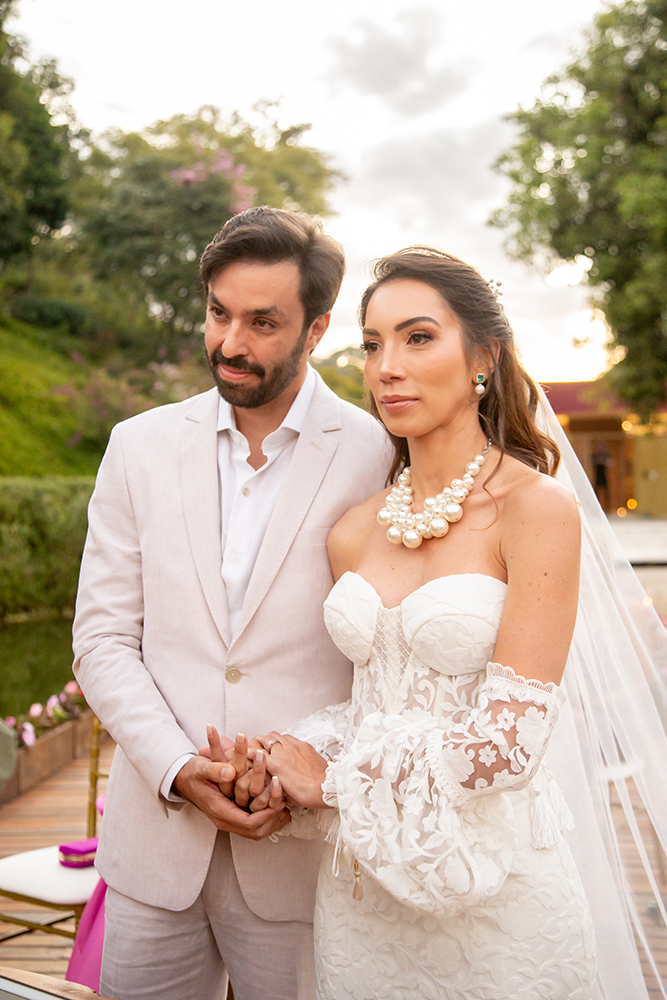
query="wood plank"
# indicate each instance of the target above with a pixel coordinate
(68, 991)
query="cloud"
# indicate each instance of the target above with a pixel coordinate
(553, 43)
(394, 65)
(441, 180)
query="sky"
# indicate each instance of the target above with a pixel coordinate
(407, 100)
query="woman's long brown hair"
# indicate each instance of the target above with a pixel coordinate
(507, 408)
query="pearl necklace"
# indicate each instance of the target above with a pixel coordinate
(439, 512)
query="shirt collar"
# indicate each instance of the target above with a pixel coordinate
(296, 414)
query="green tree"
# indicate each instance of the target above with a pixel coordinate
(148, 203)
(589, 185)
(34, 151)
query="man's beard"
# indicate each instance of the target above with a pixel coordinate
(270, 384)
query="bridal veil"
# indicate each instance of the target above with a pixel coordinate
(609, 750)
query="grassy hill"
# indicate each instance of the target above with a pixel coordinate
(58, 404)
(40, 408)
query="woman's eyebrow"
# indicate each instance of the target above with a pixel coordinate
(415, 319)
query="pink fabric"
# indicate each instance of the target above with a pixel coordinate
(86, 959)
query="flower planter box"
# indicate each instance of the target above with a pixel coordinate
(52, 750)
(81, 735)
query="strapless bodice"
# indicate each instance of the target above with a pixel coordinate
(449, 625)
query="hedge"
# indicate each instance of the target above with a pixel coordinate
(42, 532)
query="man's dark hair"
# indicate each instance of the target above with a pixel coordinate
(272, 235)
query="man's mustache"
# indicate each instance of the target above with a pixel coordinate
(239, 362)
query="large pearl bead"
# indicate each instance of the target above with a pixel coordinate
(459, 495)
(480, 459)
(468, 480)
(384, 516)
(473, 468)
(453, 512)
(423, 529)
(395, 535)
(412, 539)
(439, 527)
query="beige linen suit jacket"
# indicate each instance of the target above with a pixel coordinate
(153, 649)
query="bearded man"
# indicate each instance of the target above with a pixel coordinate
(200, 601)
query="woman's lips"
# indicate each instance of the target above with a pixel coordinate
(233, 374)
(394, 404)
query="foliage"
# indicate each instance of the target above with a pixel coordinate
(55, 416)
(113, 327)
(40, 718)
(53, 313)
(36, 656)
(57, 410)
(343, 373)
(147, 204)
(35, 153)
(42, 532)
(589, 185)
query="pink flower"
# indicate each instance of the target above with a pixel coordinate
(72, 688)
(35, 710)
(28, 734)
(10, 721)
(62, 697)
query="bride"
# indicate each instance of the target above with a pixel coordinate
(447, 873)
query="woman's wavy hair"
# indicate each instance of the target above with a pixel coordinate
(507, 408)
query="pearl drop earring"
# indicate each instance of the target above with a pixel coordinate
(480, 388)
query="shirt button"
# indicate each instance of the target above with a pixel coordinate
(246, 491)
(234, 558)
(233, 675)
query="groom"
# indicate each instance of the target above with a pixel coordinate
(200, 601)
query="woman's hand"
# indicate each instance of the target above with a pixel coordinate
(222, 750)
(298, 766)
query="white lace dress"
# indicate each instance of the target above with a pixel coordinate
(469, 892)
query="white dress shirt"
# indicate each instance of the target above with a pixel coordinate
(248, 496)
(247, 499)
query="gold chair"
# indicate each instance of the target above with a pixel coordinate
(38, 878)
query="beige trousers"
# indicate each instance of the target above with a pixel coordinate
(150, 953)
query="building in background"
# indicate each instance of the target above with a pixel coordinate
(626, 461)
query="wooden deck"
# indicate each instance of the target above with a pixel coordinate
(55, 812)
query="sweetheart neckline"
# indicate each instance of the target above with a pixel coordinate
(437, 579)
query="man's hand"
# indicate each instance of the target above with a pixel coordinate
(252, 783)
(198, 781)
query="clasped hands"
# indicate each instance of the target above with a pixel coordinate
(245, 787)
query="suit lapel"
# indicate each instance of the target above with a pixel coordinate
(201, 503)
(312, 456)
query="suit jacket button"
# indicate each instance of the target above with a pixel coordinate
(233, 675)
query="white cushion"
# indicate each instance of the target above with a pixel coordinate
(39, 874)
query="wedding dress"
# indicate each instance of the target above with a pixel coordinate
(420, 919)
(469, 890)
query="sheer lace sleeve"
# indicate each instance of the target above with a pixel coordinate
(327, 730)
(419, 801)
